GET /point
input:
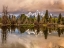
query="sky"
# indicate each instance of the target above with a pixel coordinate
(32, 5)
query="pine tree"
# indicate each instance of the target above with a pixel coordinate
(46, 16)
(50, 19)
(63, 20)
(38, 18)
(59, 18)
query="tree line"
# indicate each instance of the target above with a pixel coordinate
(23, 19)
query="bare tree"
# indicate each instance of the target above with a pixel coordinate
(5, 17)
(5, 10)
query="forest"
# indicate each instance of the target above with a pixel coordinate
(23, 20)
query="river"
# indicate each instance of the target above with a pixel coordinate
(26, 37)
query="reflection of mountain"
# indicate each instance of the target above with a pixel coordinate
(30, 32)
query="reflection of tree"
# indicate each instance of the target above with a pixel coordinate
(59, 32)
(22, 29)
(32, 28)
(54, 27)
(38, 29)
(13, 28)
(4, 34)
(50, 30)
(62, 30)
(45, 32)
(9, 28)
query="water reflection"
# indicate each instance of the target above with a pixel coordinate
(45, 31)
(22, 29)
(38, 29)
(13, 28)
(31, 31)
(4, 34)
(60, 31)
(50, 30)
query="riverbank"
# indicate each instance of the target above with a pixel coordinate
(32, 25)
(18, 25)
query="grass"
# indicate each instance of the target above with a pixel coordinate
(27, 25)
(45, 25)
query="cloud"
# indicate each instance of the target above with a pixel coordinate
(32, 5)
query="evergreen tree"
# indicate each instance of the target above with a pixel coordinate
(59, 18)
(38, 30)
(38, 18)
(46, 16)
(63, 20)
(50, 19)
(54, 20)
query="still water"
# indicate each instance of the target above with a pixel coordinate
(34, 37)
